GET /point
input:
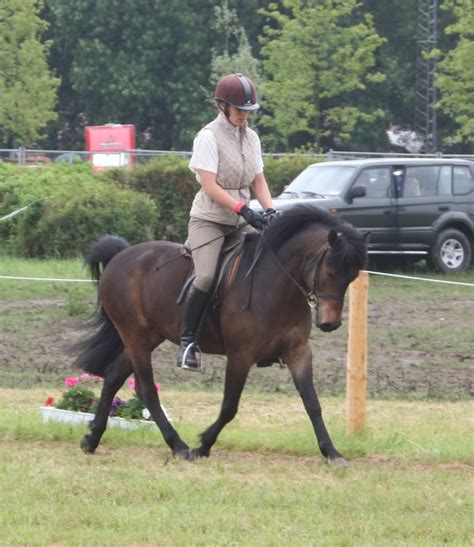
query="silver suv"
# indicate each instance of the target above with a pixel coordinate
(412, 207)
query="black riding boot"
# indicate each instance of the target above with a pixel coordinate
(194, 307)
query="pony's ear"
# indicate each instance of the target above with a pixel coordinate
(367, 236)
(334, 239)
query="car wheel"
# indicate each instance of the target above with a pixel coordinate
(451, 252)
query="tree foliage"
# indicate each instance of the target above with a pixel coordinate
(232, 52)
(27, 86)
(319, 67)
(317, 56)
(456, 72)
(145, 63)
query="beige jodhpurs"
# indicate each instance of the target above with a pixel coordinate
(206, 257)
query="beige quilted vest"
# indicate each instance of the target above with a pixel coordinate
(236, 170)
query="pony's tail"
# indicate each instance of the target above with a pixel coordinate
(104, 345)
(102, 252)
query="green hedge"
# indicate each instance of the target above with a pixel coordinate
(76, 207)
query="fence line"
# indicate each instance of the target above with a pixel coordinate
(422, 279)
(13, 278)
(24, 156)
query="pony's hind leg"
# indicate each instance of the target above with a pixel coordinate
(235, 378)
(148, 393)
(114, 378)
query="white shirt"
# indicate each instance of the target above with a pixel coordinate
(205, 155)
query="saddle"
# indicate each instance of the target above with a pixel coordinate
(227, 268)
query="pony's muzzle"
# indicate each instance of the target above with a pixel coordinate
(329, 326)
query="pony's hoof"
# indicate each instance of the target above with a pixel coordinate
(182, 454)
(197, 453)
(338, 462)
(86, 446)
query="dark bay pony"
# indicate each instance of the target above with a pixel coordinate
(309, 257)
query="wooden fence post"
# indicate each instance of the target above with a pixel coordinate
(357, 354)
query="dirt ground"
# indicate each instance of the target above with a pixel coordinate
(417, 349)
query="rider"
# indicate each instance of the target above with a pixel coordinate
(227, 161)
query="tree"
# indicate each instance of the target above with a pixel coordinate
(317, 57)
(27, 86)
(455, 79)
(146, 63)
(232, 52)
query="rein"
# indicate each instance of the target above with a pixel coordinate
(314, 295)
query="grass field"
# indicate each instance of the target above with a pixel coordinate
(409, 483)
(410, 479)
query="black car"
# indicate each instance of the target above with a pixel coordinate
(412, 207)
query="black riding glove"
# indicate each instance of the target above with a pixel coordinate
(270, 214)
(253, 218)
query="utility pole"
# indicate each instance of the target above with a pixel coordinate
(426, 92)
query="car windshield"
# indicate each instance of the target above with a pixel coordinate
(326, 180)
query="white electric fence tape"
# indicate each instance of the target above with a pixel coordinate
(11, 277)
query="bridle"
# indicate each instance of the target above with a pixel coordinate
(314, 295)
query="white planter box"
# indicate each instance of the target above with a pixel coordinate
(51, 414)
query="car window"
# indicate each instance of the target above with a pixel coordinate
(376, 181)
(421, 181)
(462, 180)
(328, 180)
(444, 181)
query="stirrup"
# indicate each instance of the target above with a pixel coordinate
(197, 353)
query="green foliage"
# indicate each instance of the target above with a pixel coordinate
(315, 58)
(27, 86)
(232, 52)
(78, 398)
(170, 184)
(71, 207)
(131, 409)
(145, 63)
(456, 72)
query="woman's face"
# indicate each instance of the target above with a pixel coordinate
(238, 117)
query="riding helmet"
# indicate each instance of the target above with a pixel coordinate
(238, 91)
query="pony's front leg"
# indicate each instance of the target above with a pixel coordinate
(236, 374)
(299, 362)
(114, 378)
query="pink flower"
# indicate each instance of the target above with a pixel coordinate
(84, 376)
(97, 378)
(158, 386)
(71, 381)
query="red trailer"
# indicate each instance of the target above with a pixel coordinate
(111, 145)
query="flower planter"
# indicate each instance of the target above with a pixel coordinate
(52, 414)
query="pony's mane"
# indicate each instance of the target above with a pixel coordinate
(292, 220)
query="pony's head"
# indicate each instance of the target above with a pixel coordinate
(335, 254)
